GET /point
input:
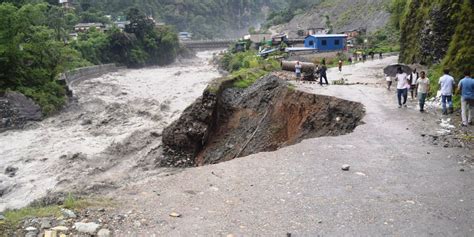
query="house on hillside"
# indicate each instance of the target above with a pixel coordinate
(83, 27)
(121, 24)
(331, 42)
(67, 4)
(183, 36)
(354, 33)
(317, 31)
(257, 38)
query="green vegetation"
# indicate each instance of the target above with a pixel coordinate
(31, 57)
(437, 33)
(13, 218)
(244, 67)
(247, 67)
(35, 48)
(384, 40)
(205, 19)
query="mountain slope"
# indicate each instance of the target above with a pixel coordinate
(205, 18)
(341, 15)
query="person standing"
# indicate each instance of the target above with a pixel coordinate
(402, 87)
(298, 71)
(446, 83)
(322, 74)
(423, 84)
(389, 81)
(466, 86)
(413, 78)
(340, 65)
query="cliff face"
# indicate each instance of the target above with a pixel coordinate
(343, 15)
(263, 117)
(438, 31)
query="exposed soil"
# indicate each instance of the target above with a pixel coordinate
(264, 117)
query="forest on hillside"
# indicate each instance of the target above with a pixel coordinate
(35, 48)
(205, 19)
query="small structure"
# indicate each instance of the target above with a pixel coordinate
(66, 4)
(257, 38)
(354, 33)
(317, 31)
(121, 24)
(83, 27)
(184, 36)
(331, 42)
(73, 36)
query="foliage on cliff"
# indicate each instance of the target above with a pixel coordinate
(141, 43)
(31, 57)
(35, 49)
(246, 67)
(436, 32)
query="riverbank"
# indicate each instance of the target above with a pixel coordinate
(65, 150)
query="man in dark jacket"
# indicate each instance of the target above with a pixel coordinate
(322, 73)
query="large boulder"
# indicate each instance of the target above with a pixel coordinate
(16, 109)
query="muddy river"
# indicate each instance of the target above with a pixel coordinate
(88, 138)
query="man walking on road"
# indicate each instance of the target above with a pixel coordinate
(402, 87)
(423, 88)
(466, 86)
(322, 73)
(446, 83)
(298, 71)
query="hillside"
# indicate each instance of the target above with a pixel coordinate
(205, 19)
(440, 35)
(340, 15)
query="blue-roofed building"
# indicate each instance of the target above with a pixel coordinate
(331, 42)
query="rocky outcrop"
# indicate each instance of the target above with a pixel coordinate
(185, 137)
(16, 109)
(264, 117)
(343, 15)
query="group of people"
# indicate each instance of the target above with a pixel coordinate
(419, 86)
(320, 70)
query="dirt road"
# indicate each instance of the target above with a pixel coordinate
(401, 182)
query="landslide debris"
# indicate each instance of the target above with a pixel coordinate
(270, 114)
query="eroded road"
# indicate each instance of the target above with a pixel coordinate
(399, 183)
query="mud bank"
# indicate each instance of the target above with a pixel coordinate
(270, 114)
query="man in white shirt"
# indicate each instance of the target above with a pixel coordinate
(298, 71)
(446, 83)
(402, 87)
(423, 89)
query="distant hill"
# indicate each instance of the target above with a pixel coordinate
(203, 18)
(340, 15)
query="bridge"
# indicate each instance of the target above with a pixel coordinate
(208, 44)
(221, 43)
